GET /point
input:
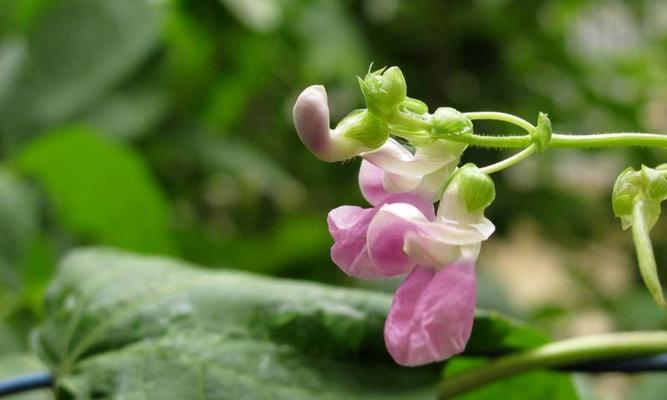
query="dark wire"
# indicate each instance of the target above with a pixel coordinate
(24, 383)
(654, 363)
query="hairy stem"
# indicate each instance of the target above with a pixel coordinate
(565, 352)
(645, 256)
(508, 162)
(560, 140)
(499, 116)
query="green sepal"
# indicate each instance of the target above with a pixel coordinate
(414, 106)
(647, 185)
(475, 187)
(542, 133)
(448, 122)
(365, 127)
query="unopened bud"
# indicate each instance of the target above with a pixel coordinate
(384, 90)
(448, 122)
(476, 188)
(354, 135)
(364, 127)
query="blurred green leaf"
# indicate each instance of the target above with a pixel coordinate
(165, 329)
(129, 112)
(102, 190)
(78, 51)
(12, 55)
(17, 364)
(258, 15)
(18, 213)
(497, 334)
(38, 268)
(650, 387)
(529, 386)
(251, 166)
(9, 340)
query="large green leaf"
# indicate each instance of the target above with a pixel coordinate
(543, 385)
(126, 326)
(102, 190)
(78, 50)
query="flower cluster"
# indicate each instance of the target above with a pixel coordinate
(402, 233)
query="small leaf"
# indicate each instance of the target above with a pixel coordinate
(121, 325)
(101, 189)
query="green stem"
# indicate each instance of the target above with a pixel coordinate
(570, 351)
(499, 116)
(508, 162)
(645, 256)
(570, 141)
(609, 140)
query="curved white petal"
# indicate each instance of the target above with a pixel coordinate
(395, 158)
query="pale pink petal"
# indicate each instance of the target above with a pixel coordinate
(386, 236)
(370, 183)
(348, 226)
(311, 120)
(432, 314)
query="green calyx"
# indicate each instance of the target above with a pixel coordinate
(448, 122)
(365, 127)
(648, 185)
(636, 201)
(475, 187)
(384, 90)
(541, 135)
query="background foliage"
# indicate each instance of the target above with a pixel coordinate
(163, 127)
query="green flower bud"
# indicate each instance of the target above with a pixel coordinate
(656, 184)
(542, 133)
(364, 127)
(647, 185)
(447, 121)
(626, 188)
(475, 187)
(414, 106)
(384, 90)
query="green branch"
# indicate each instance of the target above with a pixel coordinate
(561, 353)
(508, 162)
(570, 140)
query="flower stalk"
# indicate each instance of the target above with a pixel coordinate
(556, 354)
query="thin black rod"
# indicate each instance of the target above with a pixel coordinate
(654, 363)
(24, 383)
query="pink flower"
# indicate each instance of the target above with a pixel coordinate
(432, 313)
(348, 226)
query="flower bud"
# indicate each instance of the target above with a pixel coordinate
(542, 133)
(365, 127)
(354, 135)
(447, 121)
(384, 90)
(656, 184)
(647, 185)
(414, 106)
(477, 188)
